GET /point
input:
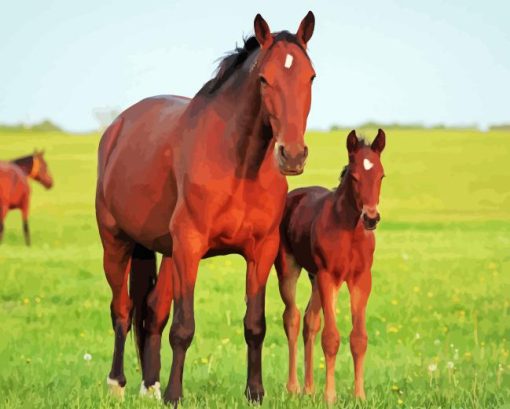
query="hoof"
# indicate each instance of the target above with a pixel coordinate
(293, 388)
(254, 394)
(309, 390)
(152, 392)
(360, 395)
(115, 389)
(330, 398)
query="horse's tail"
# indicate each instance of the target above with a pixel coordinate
(141, 281)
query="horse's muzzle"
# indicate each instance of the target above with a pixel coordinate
(370, 223)
(291, 163)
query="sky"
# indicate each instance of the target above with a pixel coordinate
(401, 61)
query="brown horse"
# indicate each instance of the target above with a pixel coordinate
(14, 188)
(194, 178)
(329, 233)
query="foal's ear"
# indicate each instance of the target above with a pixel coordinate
(379, 142)
(352, 142)
(305, 29)
(262, 32)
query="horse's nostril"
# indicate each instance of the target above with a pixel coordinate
(305, 152)
(282, 152)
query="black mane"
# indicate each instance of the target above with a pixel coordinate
(235, 59)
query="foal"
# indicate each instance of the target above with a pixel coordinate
(330, 234)
(14, 188)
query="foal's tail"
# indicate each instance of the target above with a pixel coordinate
(141, 281)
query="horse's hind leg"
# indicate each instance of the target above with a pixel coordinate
(158, 309)
(311, 326)
(288, 272)
(117, 264)
(359, 288)
(3, 213)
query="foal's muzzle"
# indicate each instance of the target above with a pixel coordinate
(291, 161)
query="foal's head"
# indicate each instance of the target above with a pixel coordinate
(366, 172)
(40, 171)
(285, 74)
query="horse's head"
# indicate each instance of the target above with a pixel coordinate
(40, 171)
(366, 172)
(285, 74)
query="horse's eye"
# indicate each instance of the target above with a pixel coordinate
(313, 77)
(355, 177)
(263, 80)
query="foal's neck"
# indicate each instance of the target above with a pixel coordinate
(346, 207)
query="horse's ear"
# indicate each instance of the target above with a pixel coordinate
(262, 32)
(379, 142)
(352, 142)
(305, 29)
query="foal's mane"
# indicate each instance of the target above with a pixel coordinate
(24, 160)
(233, 60)
(362, 143)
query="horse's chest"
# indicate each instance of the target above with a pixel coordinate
(246, 219)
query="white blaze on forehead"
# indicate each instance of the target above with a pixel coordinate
(288, 61)
(367, 164)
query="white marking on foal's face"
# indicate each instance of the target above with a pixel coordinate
(288, 61)
(367, 164)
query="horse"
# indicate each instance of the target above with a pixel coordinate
(330, 234)
(14, 187)
(195, 178)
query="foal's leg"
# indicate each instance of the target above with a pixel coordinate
(288, 273)
(359, 288)
(188, 248)
(158, 303)
(259, 266)
(328, 289)
(116, 261)
(311, 326)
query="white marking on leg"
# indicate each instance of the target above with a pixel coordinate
(367, 164)
(115, 388)
(288, 61)
(153, 391)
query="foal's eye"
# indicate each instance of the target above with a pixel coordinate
(313, 77)
(355, 177)
(263, 80)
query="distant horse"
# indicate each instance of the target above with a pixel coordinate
(195, 178)
(14, 188)
(329, 233)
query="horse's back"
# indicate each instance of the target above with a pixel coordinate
(135, 161)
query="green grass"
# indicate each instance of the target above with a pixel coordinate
(442, 270)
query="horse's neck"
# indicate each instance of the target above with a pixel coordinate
(346, 208)
(251, 136)
(25, 164)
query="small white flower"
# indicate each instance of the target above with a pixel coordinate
(451, 345)
(437, 342)
(417, 336)
(450, 365)
(405, 256)
(432, 367)
(87, 357)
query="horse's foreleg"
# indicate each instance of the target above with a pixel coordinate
(359, 288)
(328, 289)
(158, 305)
(311, 326)
(288, 273)
(188, 248)
(117, 261)
(3, 213)
(24, 217)
(259, 266)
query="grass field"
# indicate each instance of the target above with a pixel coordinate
(438, 317)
